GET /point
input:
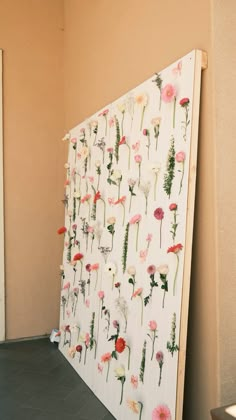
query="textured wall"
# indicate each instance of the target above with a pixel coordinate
(225, 127)
(31, 36)
(110, 47)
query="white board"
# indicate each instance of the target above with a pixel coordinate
(129, 200)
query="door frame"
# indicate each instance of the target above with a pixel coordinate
(2, 259)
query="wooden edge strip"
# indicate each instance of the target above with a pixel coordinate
(2, 263)
(200, 58)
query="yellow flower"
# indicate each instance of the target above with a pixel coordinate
(133, 405)
(121, 107)
(66, 137)
(120, 372)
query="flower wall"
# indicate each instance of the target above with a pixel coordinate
(126, 190)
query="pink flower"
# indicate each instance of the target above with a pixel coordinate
(87, 339)
(106, 357)
(111, 201)
(91, 179)
(136, 146)
(159, 213)
(95, 267)
(168, 93)
(159, 356)
(115, 323)
(74, 140)
(111, 123)
(121, 200)
(101, 294)
(180, 157)
(137, 292)
(87, 303)
(100, 368)
(122, 141)
(74, 227)
(90, 229)
(151, 269)
(161, 412)
(103, 113)
(110, 150)
(135, 219)
(152, 325)
(173, 206)
(149, 237)
(143, 255)
(134, 381)
(138, 158)
(145, 132)
(82, 130)
(85, 198)
(66, 183)
(66, 286)
(184, 102)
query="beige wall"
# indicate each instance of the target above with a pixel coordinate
(109, 48)
(224, 19)
(31, 35)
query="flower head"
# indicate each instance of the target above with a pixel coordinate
(175, 248)
(66, 286)
(135, 219)
(168, 93)
(151, 269)
(115, 324)
(101, 294)
(173, 206)
(136, 146)
(152, 325)
(131, 270)
(161, 412)
(120, 345)
(86, 198)
(180, 157)
(122, 141)
(159, 357)
(155, 167)
(71, 351)
(159, 213)
(78, 257)
(66, 137)
(61, 230)
(74, 140)
(79, 348)
(149, 237)
(88, 268)
(95, 267)
(141, 99)
(111, 220)
(121, 200)
(106, 357)
(184, 102)
(84, 152)
(163, 269)
(120, 372)
(133, 406)
(137, 292)
(143, 255)
(138, 158)
(156, 121)
(97, 197)
(103, 113)
(134, 381)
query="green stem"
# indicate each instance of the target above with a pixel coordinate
(85, 354)
(148, 145)
(160, 232)
(141, 124)
(122, 124)
(95, 287)
(128, 356)
(176, 272)
(113, 278)
(123, 222)
(137, 237)
(181, 182)
(98, 182)
(128, 156)
(95, 351)
(174, 112)
(160, 375)
(130, 202)
(139, 173)
(104, 212)
(153, 343)
(163, 300)
(81, 269)
(141, 410)
(122, 391)
(155, 186)
(118, 190)
(146, 204)
(106, 126)
(141, 310)
(108, 368)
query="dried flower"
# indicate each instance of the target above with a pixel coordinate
(61, 230)
(161, 412)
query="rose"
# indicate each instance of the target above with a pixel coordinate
(173, 207)
(163, 269)
(184, 102)
(151, 269)
(120, 345)
(180, 157)
(152, 325)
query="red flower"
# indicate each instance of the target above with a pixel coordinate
(117, 285)
(61, 230)
(159, 213)
(122, 141)
(79, 348)
(173, 206)
(78, 257)
(88, 267)
(184, 102)
(120, 345)
(121, 200)
(97, 197)
(175, 248)
(145, 132)
(67, 328)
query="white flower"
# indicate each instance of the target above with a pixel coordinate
(94, 123)
(155, 167)
(163, 269)
(145, 188)
(98, 163)
(120, 371)
(116, 175)
(156, 121)
(132, 182)
(111, 220)
(110, 268)
(67, 166)
(77, 194)
(62, 267)
(66, 137)
(121, 106)
(131, 270)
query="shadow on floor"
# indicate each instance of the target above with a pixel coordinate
(37, 383)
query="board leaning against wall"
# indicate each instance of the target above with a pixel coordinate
(129, 201)
(2, 269)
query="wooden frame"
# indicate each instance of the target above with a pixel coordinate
(2, 263)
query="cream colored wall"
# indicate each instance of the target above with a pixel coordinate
(110, 47)
(31, 36)
(224, 24)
